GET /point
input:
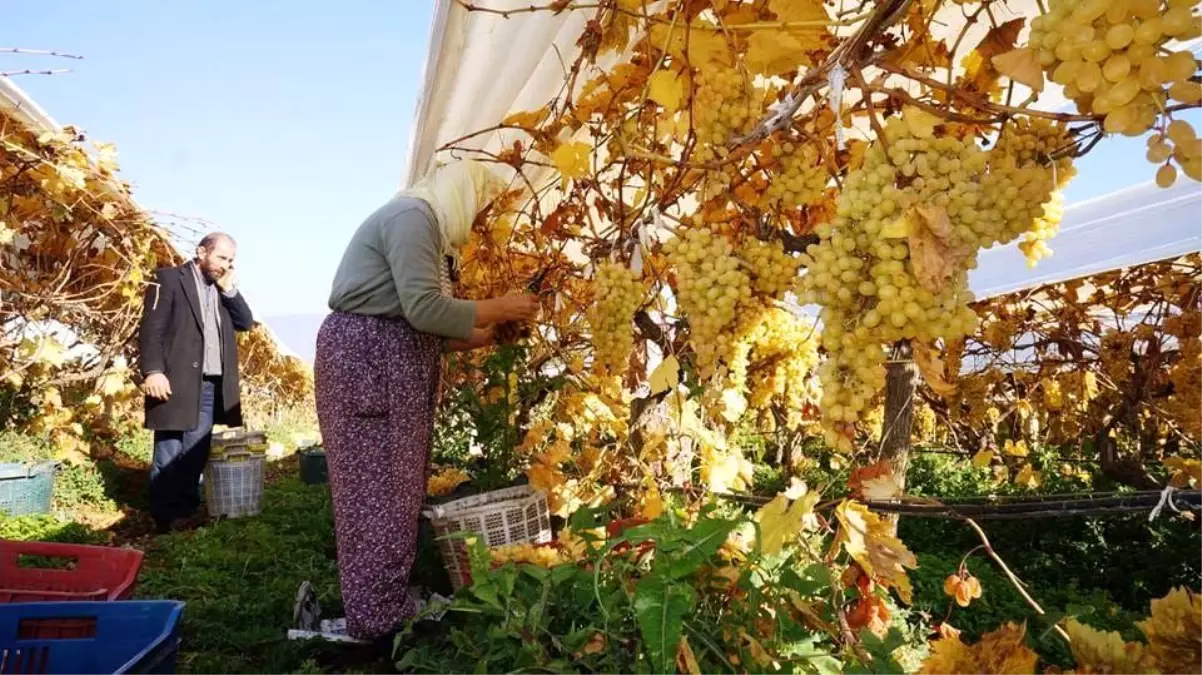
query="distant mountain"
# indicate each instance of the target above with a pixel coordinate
(298, 332)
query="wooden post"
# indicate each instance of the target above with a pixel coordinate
(901, 385)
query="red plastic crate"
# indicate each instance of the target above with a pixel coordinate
(91, 573)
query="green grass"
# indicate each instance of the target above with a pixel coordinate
(239, 579)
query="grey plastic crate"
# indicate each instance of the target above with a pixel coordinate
(26, 488)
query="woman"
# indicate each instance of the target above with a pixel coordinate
(377, 370)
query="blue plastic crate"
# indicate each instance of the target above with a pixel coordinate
(121, 637)
(26, 488)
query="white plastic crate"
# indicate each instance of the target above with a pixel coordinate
(508, 516)
(234, 484)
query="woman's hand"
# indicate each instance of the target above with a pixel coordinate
(519, 307)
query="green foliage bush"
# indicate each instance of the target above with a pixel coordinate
(239, 579)
(626, 612)
(45, 527)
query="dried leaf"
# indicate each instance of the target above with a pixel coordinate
(933, 370)
(686, 661)
(1002, 652)
(1000, 39)
(1022, 66)
(870, 612)
(868, 539)
(1106, 652)
(935, 258)
(1174, 631)
(881, 488)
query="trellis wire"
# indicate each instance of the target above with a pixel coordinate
(1013, 507)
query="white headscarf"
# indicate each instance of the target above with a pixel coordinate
(456, 192)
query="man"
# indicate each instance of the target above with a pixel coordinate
(189, 362)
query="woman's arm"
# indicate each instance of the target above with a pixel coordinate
(413, 249)
(481, 337)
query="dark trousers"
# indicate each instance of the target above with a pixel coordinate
(179, 460)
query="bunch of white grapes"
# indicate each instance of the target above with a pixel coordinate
(1112, 59)
(799, 175)
(1178, 142)
(723, 107)
(861, 271)
(773, 269)
(619, 292)
(710, 285)
(1029, 164)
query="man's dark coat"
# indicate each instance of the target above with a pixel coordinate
(171, 341)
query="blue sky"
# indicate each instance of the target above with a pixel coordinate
(282, 122)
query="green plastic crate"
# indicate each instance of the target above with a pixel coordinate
(26, 488)
(312, 462)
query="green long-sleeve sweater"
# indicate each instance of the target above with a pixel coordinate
(391, 268)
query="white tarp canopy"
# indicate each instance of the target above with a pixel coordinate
(1136, 225)
(482, 67)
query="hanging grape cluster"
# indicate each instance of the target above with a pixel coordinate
(619, 293)
(893, 265)
(1113, 60)
(800, 175)
(710, 284)
(724, 108)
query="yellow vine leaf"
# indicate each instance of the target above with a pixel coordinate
(900, 228)
(920, 122)
(980, 75)
(111, 383)
(572, 159)
(686, 660)
(47, 350)
(528, 119)
(935, 258)
(1174, 631)
(706, 46)
(781, 521)
(1014, 449)
(1186, 472)
(1028, 477)
(867, 538)
(983, 458)
(773, 52)
(1002, 652)
(798, 10)
(1095, 651)
(665, 376)
(933, 370)
(667, 89)
(1022, 66)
